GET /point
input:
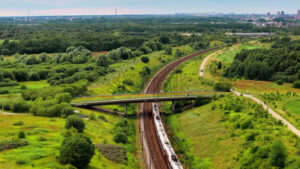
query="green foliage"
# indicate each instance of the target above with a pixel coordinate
(75, 122)
(120, 138)
(21, 135)
(120, 53)
(278, 154)
(21, 75)
(223, 86)
(145, 72)
(19, 123)
(12, 144)
(296, 84)
(92, 116)
(278, 63)
(102, 61)
(63, 97)
(145, 59)
(77, 150)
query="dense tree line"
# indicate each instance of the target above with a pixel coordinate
(281, 62)
(106, 34)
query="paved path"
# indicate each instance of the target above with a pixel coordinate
(270, 111)
(201, 73)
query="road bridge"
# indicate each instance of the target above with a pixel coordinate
(149, 98)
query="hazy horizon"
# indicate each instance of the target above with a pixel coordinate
(96, 7)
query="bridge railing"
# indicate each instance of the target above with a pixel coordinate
(145, 96)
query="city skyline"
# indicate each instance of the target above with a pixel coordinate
(96, 7)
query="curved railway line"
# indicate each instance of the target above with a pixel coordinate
(153, 155)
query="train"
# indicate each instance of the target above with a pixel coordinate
(165, 144)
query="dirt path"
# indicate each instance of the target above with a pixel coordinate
(201, 72)
(14, 114)
(270, 111)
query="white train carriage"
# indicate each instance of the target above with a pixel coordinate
(165, 144)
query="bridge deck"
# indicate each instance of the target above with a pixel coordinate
(125, 99)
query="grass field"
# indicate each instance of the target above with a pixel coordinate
(45, 136)
(294, 106)
(209, 139)
(209, 132)
(229, 54)
(188, 78)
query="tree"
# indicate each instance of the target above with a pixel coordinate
(21, 135)
(296, 84)
(168, 50)
(75, 122)
(120, 138)
(278, 154)
(21, 75)
(102, 61)
(63, 97)
(77, 150)
(145, 59)
(223, 86)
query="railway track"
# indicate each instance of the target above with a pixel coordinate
(153, 155)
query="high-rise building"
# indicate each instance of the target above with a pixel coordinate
(282, 14)
(268, 15)
(278, 14)
(298, 15)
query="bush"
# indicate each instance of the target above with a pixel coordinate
(102, 61)
(19, 123)
(296, 84)
(278, 154)
(21, 75)
(34, 77)
(21, 135)
(63, 97)
(11, 144)
(23, 87)
(101, 117)
(145, 59)
(4, 91)
(75, 122)
(92, 116)
(279, 82)
(223, 86)
(19, 106)
(77, 150)
(120, 138)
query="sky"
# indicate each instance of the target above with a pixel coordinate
(107, 7)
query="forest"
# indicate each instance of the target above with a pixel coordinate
(280, 64)
(105, 34)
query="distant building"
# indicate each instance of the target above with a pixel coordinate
(282, 15)
(278, 14)
(268, 15)
(298, 15)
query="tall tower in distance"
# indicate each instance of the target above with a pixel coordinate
(298, 15)
(116, 12)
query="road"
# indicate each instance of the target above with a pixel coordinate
(266, 107)
(202, 67)
(153, 155)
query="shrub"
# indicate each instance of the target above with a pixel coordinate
(21, 135)
(75, 122)
(120, 138)
(296, 84)
(21, 75)
(19, 123)
(11, 144)
(92, 116)
(63, 97)
(101, 117)
(278, 154)
(34, 77)
(23, 87)
(145, 59)
(19, 106)
(223, 86)
(4, 91)
(102, 61)
(279, 82)
(77, 150)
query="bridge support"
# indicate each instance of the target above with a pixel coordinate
(173, 106)
(125, 112)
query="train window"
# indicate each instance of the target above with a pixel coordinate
(174, 158)
(157, 118)
(167, 143)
